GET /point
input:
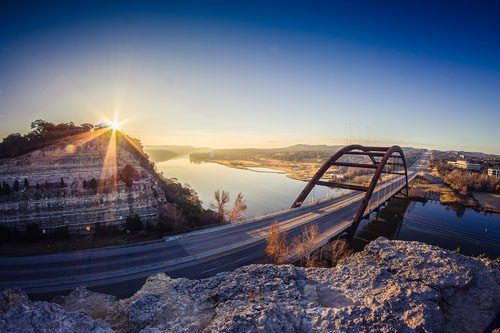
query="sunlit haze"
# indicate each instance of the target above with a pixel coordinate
(260, 75)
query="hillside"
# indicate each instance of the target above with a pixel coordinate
(160, 153)
(78, 181)
(299, 162)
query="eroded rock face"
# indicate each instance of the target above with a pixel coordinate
(97, 305)
(391, 286)
(18, 314)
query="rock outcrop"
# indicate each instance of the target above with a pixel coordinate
(391, 286)
(72, 183)
(18, 314)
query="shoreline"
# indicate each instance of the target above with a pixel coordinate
(439, 192)
(242, 166)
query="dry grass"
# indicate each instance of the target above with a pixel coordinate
(277, 248)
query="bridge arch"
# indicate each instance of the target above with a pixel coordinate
(382, 153)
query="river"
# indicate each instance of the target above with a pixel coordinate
(267, 190)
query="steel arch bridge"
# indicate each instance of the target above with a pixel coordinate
(379, 161)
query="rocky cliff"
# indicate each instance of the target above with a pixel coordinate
(391, 286)
(72, 183)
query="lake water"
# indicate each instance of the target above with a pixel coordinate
(266, 190)
(448, 227)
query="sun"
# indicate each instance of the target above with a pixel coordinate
(115, 125)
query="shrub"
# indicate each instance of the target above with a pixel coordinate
(133, 223)
(104, 230)
(15, 186)
(59, 234)
(93, 183)
(5, 235)
(127, 175)
(277, 248)
(17, 235)
(33, 233)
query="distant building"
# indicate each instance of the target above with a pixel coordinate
(466, 165)
(493, 172)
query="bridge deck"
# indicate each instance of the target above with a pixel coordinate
(121, 270)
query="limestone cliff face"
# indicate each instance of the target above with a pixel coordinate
(391, 286)
(51, 204)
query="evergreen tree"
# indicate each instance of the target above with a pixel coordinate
(93, 183)
(5, 188)
(26, 184)
(62, 182)
(15, 186)
(33, 232)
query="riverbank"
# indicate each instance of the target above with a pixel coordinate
(441, 193)
(431, 187)
(389, 286)
(302, 171)
(490, 202)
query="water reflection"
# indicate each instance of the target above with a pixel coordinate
(449, 227)
(265, 190)
(383, 222)
(430, 222)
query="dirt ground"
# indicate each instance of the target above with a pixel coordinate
(489, 202)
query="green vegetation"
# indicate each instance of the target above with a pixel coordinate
(128, 174)
(41, 135)
(133, 223)
(33, 233)
(186, 212)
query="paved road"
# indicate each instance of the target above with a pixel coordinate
(121, 270)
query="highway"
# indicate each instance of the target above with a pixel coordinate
(121, 270)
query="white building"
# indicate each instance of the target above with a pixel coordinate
(493, 172)
(466, 165)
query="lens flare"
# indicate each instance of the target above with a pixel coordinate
(115, 125)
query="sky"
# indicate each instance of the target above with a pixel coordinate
(258, 74)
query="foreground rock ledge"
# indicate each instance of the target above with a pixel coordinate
(391, 286)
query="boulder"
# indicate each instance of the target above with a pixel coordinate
(44, 317)
(390, 286)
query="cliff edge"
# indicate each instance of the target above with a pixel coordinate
(391, 286)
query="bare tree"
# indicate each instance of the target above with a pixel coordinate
(221, 200)
(339, 249)
(305, 243)
(239, 207)
(277, 247)
(220, 206)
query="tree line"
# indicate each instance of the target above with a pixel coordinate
(466, 181)
(41, 135)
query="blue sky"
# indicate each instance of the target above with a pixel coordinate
(230, 74)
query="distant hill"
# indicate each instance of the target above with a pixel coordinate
(299, 152)
(160, 153)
